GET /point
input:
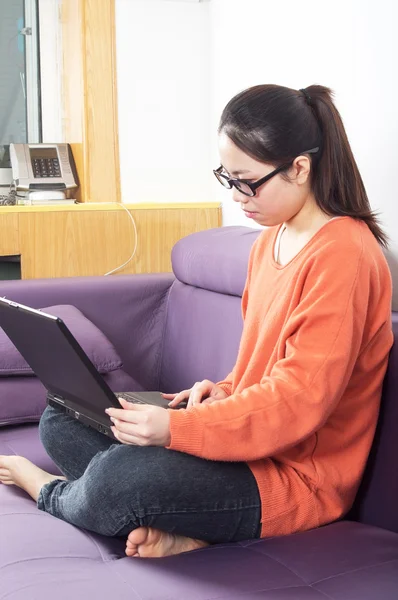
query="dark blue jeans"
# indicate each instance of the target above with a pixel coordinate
(113, 488)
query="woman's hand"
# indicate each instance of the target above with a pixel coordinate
(202, 391)
(140, 424)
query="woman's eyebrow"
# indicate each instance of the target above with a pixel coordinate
(236, 173)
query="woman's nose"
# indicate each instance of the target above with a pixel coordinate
(237, 196)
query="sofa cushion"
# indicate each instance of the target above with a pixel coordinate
(215, 259)
(39, 553)
(96, 345)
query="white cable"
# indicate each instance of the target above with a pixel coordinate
(119, 204)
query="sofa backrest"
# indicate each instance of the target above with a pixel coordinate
(204, 319)
(377, 499)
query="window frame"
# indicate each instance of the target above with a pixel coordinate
(32, 71)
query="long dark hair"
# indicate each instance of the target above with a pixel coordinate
(274, 124)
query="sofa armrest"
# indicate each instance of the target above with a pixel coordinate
(129, 309)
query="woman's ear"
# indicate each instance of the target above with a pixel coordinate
(301, 169)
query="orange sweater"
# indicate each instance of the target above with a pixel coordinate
(305, 391)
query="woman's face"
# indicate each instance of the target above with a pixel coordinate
(277, 201)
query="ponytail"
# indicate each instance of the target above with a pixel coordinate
(308, 118)
(337, 183)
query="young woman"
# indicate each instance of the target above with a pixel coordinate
(280, 445)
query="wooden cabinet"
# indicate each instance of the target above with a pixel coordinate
(93, 239)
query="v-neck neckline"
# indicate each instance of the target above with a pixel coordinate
(277, 241)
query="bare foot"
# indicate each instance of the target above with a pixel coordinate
(148, 542)
(16, 470)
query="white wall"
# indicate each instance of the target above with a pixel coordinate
(163, 72)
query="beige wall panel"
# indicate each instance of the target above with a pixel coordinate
(102, 143)
(73, 87)
(90, 121)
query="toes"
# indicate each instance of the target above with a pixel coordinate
(5, 475)
(131, 550)
(138, 536)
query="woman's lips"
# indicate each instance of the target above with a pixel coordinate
(249, 214)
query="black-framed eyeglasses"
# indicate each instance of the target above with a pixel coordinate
(247, 188)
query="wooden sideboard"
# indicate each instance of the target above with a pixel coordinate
(92, 239)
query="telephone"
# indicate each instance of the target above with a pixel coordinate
(43, 171)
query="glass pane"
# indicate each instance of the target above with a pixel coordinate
(15, 91)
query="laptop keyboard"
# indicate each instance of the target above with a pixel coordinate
(131, 398)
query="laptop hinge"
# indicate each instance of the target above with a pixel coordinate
(57, 398)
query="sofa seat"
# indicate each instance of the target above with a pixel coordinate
(41, 556)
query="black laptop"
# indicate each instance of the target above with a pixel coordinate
(72, 381)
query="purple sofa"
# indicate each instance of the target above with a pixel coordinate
(170, 331)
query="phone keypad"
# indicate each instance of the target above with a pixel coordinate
(46, 167)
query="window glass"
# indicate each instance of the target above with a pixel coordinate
(19, 75)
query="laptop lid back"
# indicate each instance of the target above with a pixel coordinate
(56, 357)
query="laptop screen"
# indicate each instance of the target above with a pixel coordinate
(55, 357)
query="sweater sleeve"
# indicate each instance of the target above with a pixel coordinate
(323, 341)
(226, 384)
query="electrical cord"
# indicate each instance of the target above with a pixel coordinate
(10, 198)
(120, 205)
